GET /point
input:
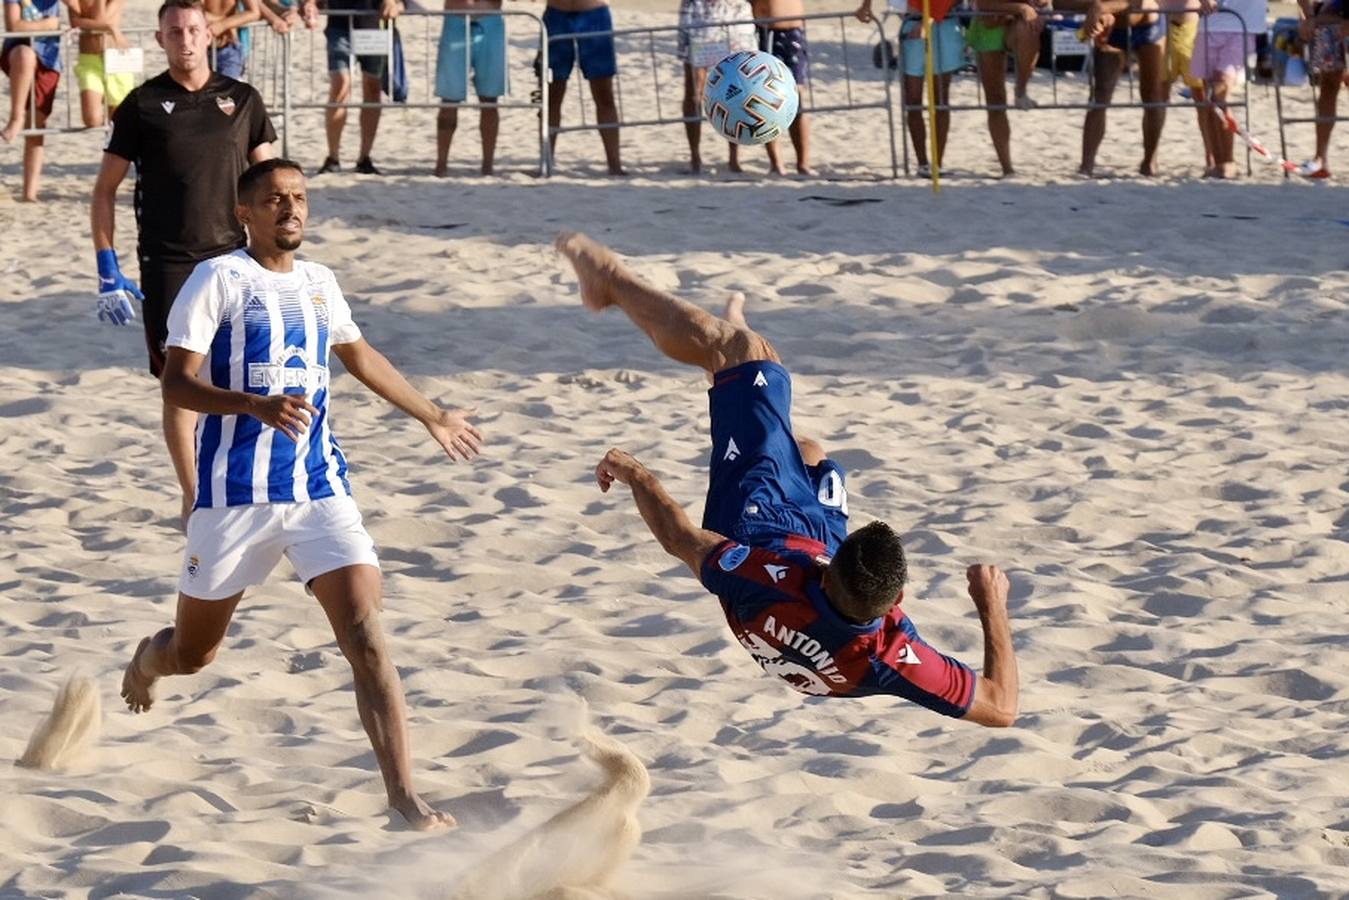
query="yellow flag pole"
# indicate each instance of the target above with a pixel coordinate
(931, 98)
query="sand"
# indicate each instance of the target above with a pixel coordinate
(1129, 394)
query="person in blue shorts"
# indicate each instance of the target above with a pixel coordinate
(817, 606)
(948, 55)
(477, 43)
(594, 52)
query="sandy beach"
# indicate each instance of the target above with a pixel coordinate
(1130, 394)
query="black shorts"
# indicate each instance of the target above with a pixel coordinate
(788, 45)
(160, 282)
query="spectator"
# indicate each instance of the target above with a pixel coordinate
(1182, 25)
(1323, 30)
(948, 55)
(226, 19)
(785, 38)
(190, 133)
(1226, 36)
(34, 67)
(100, 23)
(338, 35)
(1117, 28)
(598, 61)
(479, 42)
(706, 37)
(1015, 25)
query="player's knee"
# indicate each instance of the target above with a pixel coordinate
(363, 644)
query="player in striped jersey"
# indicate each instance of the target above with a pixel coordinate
(260, 325)
(814, 605)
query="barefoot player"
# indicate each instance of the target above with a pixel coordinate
(259, 325)
(816, 606)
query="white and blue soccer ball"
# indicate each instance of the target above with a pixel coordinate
(750, 97)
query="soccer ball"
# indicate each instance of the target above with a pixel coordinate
(750, 97)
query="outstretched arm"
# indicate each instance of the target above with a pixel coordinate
(995, 694)
(450, 428)
(666, 519)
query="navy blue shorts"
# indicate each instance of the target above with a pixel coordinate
(595, 54)
(1128, 37)
(761, 492)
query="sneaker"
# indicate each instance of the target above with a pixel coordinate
(365, 167)
(924, 171)
(1313, 168)
(329, 165)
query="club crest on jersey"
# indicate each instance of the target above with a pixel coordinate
(732, 558)
(193, 566)
(226, 105)
(317, 300)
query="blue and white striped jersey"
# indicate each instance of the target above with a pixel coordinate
(264, 332)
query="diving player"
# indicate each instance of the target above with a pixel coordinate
(271, 478)
(814, 605)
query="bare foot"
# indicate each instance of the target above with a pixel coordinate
(696, 165)
(595, 265)
(138, 689)
(803, 169)
(1228, 171)
(735, 310)
(618, 172)
(734, 166)
(11, 131)
(1148, 169)
(487, 169)
(440, 171)
(421, 816)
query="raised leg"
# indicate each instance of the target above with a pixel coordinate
(350, 597)
(22, 71)
(187, 647)
(680, 330)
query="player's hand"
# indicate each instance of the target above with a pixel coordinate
(115, 291)
(617, 465)
(453, 431)
(988, 586)
(863, 13)
(289, 414)
(1026, 12)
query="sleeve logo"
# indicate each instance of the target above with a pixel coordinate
(733, 557)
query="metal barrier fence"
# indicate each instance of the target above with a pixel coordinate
(367, 42)
(659, 43)
(1068, 24)
(1318, 119)
(265, 53)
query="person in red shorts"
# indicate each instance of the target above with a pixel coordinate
(33, 65)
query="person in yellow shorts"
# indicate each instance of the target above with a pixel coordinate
(1181, 29)
(99, 22)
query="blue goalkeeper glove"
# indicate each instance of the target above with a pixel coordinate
(115, 291)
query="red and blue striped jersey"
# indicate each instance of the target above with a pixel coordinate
(775, 604)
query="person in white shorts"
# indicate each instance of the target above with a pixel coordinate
(258, 325)
(1226, 37)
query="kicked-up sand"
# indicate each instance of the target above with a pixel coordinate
(1130, 394)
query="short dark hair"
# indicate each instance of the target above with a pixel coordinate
(260, 170)
(869, 571)
(180, 4)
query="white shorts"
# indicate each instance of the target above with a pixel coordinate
(235, 547)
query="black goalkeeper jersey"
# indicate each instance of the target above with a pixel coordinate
(189, 148)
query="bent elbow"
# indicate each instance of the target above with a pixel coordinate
(1002, 718)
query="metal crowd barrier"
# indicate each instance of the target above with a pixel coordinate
(649, 37)
(1285, 121)
(379, 42)
(1073, 20)
(143, 54)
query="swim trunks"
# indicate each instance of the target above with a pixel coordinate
(948, 48)
(483, 48)
(788, 45)
(91, 76)
(985, 38)
(596, 54)
(1129, 37)
(1180, 51)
